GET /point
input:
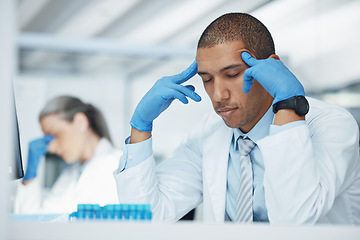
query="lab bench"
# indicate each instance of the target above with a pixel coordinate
(181, 230)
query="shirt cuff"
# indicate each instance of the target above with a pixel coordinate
(135, 153)
(275, 129)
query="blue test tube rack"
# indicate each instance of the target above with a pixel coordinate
(112, 212)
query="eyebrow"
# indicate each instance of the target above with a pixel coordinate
(225, 68)
(231, 67)
(202, 73)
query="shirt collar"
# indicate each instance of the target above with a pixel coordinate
(259, 131)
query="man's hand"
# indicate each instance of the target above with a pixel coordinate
(161, 95)
(273, 75)
(37, 149)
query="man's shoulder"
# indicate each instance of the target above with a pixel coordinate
(327, 114)
(317, 106)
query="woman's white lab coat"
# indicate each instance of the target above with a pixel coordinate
(312, 172)
(91, 182)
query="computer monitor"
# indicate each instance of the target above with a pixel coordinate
(16, 170)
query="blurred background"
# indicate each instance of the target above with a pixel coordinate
(110, 52)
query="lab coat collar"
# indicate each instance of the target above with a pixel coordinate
(215, 167)
(103, 148)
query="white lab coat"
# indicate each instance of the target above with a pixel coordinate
(312, 172)
(91, 183)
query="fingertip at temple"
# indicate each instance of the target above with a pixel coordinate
(248, 58)
(186, 74)
(245, 54)
(193, 68)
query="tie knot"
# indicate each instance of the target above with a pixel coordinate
(245, 146)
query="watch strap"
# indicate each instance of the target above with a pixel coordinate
(285, 104)
(298, 103)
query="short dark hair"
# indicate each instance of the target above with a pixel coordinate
(239, 27)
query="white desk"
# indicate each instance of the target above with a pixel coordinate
(181, 230)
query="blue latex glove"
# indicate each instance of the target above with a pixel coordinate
(273, 75)
(161, 95)
(37, 149)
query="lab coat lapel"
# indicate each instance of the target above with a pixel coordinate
(216, 154)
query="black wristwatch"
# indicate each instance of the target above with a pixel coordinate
(298, 103)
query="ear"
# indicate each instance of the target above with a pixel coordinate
(81, 121)
(274, 56)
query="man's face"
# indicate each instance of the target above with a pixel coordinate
(222, 69)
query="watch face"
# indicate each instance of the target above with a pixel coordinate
(302, 106)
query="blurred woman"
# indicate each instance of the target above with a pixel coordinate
(77, 132)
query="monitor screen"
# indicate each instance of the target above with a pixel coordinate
(16, 170)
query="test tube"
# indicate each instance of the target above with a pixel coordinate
(148, 213)
(133, 212)
(118, 211)
(96, 211)
(89, 214)
(81, 211)
(126, 212)
(104, 213)
(110, 211)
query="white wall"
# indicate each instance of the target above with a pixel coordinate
(317, 39)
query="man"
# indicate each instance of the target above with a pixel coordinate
(267, 158)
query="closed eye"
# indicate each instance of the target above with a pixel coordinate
(207, 80)
(233, 75)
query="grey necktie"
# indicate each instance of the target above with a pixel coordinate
(244, 210)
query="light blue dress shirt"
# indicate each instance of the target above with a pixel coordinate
(135, 154)
(260, 130)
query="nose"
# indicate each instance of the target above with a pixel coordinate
(220, 92)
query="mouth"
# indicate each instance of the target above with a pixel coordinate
(226, 111)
